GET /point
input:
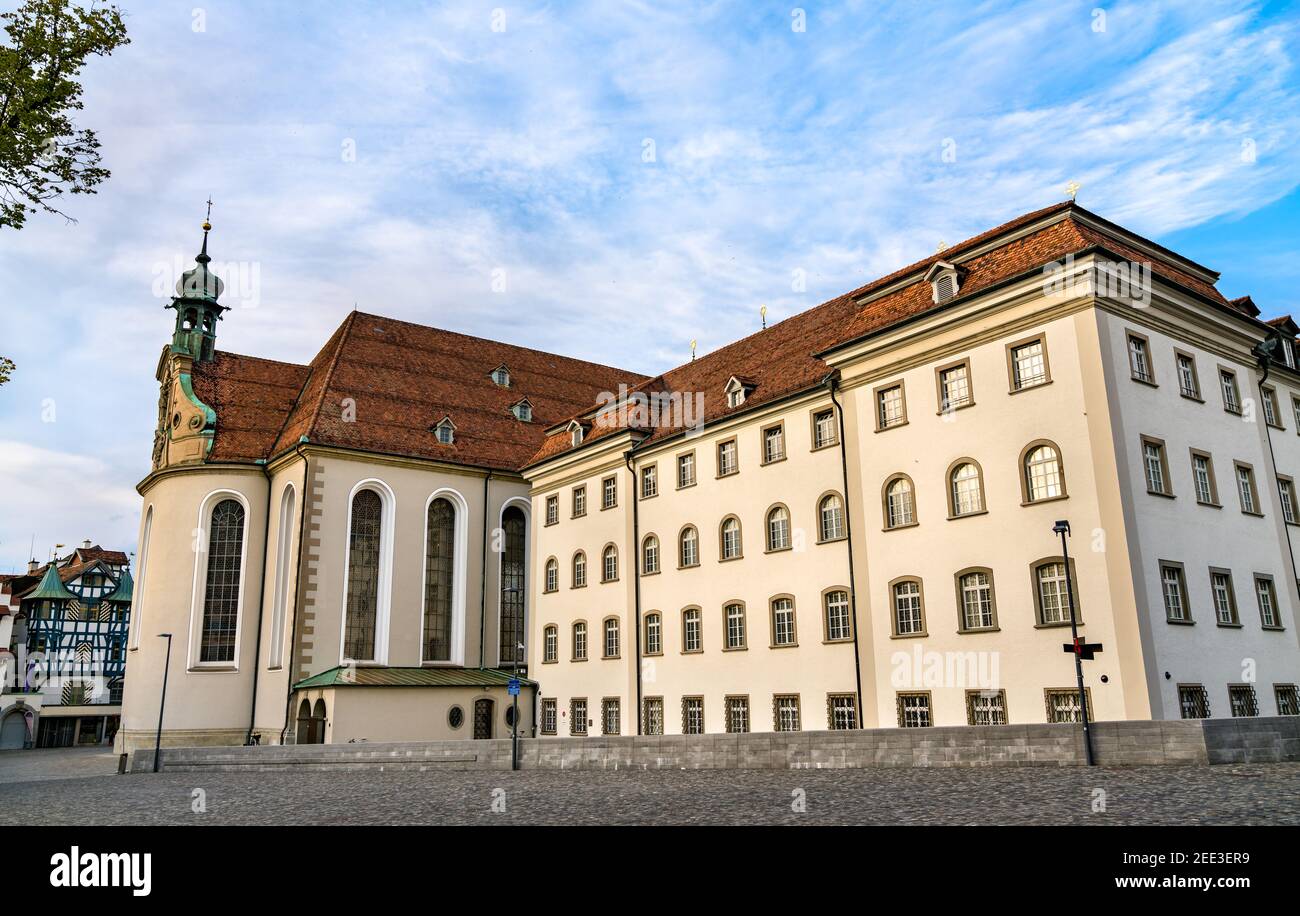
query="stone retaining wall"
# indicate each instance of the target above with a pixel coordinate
(1208, 741)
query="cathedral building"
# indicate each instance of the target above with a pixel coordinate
(856, 517)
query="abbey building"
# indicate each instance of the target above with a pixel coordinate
(844, 520)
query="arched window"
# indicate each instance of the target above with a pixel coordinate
(1051, 592)
(439, 573)
(579, 569)
(650, 555)
(733, 621)
(837, 617)
(580, 641)
(283, 564)
(688, 544)
(363, 576)
(730, 539)
(692, 630)
(1041, 470)
(609, 564)
(221, 591)
(830, 515)
(306, 732)
(654, 634)
(318, 721)
(551, 644)
(784, 632)
(900, 502)
(611, 638)
(909, 607)
(513, 562)
(965, 490)
(975, 600)
(778, 528)
(552, 575)
(138, 604)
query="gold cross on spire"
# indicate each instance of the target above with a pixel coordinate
(1073, 189)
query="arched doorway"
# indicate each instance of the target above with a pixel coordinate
(318, 722)
(306, 729)
(13, 731)
(483, 710)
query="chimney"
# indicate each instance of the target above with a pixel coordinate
(85, 545)
(32, 566)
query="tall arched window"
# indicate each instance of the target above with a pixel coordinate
(1042, 473)
(731, 543)
(363, 576)
(439, 576)
(778, 528)
(830, 516)
(552, 575)
(579, 569)
(609, 564)
(283, 562)
(688, 544)
(900, 503)
(551, 644)
(138, 603)
(513, 560)
(650, 555)
(654, 633)
(221, 590)
(966, 491)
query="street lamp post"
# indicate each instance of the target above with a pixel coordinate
(162, 703)
(1063, 529)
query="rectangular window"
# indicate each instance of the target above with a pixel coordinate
(1246, 489)
(579, 501)
(1174, 590)
(783, 622)
(1286, 493)
(552, 510)
(1267, 599)
(1063, 705)
(1207, 494)
(1241, 700)
(1139, 359)
(1271, 412)
(986, 707)
(954, 387)
(692, 715)
(824, 428)
(611, 716)
(578, 717)
(1028, 364)
(1155, 467)
(691, 635)
(838, 621)
(1288, 699)
(653, 718)
(1225, 599)
(1189, 386)
(727, 458)
(737, 714)
(686, 470)
(549, 720)
(889, 407)
(841, 711)
(1193, 701)
(773, 444)
(785, 713)
(913, 710)
(1231, 396)
(609, 493)
(649, 481)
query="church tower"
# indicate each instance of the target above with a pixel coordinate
(197, 308)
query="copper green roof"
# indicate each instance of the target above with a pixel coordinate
(361, 676)
(125, 587)
(51, 587)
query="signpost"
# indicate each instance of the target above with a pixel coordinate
(513, 688)
(1081, 650)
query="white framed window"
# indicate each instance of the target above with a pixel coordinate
(954, 387)
(446, 432)
(1174, 590)
(909, 615)
(686, 470)
(1231, 395)
(1052, 588)
(731, 542)
(649, 481)
(734, 616)
(1028, 364)
(552, 575)
(523, 412)
(1269, 400)
(501, 376)
(609, 493)
(611, 637)
(900, 505)
(966, 489)
(654, 634)
(650, 555)
(727, 458)
(367, 573)
(1246, 489)
(1155, 467)
(692, 626)
(1139, 359)
(1224, 597)
(1267, 599)
(551, 644)
(609, 564)
(688, 547)
(579, 501)
(552, 510)
(890, 410)
(778, 528)
(824, 432)
(1189, 386)
(1286, 494)
(1042, 472)
(773, 444)
(976, 591)
(1203, 479)
(783, 624)
(580, 641)
(579, 569)
(839, 621)
(830, 517)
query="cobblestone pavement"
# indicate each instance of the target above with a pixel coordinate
(1258, 794)
(56, 763)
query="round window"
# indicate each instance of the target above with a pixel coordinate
(456, 717)
(510, 716)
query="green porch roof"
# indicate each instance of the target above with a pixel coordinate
(51, 587)
(125, 588)
(362, 676)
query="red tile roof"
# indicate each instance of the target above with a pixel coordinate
(395, 380)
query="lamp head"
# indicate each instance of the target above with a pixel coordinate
(1061, 527)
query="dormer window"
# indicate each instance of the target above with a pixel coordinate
(575, 434)
(737, 390)
(501, 376)
(445, 431)
(523, 411)
(944, 279)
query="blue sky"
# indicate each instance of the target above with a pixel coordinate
(522, 155)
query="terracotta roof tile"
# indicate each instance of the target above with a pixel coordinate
(252, 398)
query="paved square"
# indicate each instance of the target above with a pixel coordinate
(81, 788)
